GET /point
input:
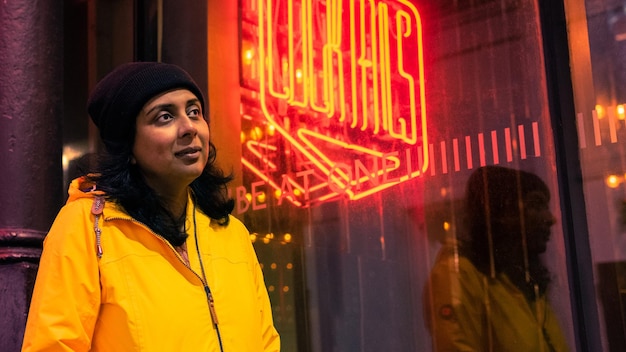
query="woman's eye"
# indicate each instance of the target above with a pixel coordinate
(164, 117)
(537, 205)
(194, 112)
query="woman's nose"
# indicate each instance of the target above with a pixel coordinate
(187, 127)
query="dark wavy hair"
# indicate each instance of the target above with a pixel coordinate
(494, 193)
(123, 184)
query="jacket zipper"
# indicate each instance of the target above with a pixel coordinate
(205, 284)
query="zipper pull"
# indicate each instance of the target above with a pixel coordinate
(211, 305)
(96, 210)
(98, 205)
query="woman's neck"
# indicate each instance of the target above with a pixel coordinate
(174, 195)
(176, 203)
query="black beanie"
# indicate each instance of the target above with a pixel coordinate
(118, 98)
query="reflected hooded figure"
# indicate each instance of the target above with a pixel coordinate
(488, 291)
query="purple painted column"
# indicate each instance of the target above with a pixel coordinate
(31, 174)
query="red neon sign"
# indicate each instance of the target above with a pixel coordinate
(342, 83)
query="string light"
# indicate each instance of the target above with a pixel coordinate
(286, 238)
(248, 55)
(613, 181)
(600, 111)
(256, 133)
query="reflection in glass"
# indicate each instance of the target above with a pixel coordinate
(487, 291)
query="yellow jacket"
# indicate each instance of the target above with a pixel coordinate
(140, 295)
(467, 311)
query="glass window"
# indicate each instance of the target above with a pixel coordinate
(398, 174)
(598, 48)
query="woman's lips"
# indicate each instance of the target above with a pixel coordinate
(189, 153)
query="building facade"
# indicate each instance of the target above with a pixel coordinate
(352, 129)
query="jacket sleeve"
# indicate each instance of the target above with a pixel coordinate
(553, 330)
(66, 297)
(453, 303)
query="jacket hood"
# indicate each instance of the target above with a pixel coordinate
(82, 188)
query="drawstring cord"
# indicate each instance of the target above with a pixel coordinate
(96, 210)
(207, 290)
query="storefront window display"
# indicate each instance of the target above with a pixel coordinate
(362, 122)
(401, 163)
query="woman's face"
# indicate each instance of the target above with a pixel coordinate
(538, 220)
(536, 223)
(171, 140)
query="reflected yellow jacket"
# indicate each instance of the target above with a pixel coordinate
(467, 311)
(140, 295)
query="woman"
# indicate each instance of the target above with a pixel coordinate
(488, 293)
(145, 256)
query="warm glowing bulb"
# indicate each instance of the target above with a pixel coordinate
(289, 266)
(242, 137)
(621, 112)
(446, 226)
(256, 133)
(249, 197)
(299, 75)
(278, 193)
(613, 181)
(600, 111)
(253, 237)
(273, 266)
(285, 288)
(261, 197)
(248, 55)
(271, 129)
(287, 237)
